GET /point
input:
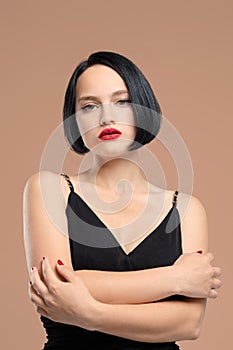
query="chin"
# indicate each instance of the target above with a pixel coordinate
(112, 148)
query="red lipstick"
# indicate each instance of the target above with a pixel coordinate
(109, 134)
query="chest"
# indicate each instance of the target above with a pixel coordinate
(93, 241)
(129, 220)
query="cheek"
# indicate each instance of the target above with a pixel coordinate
(131, 132)
(129, 125)
(89, 138)
(126, 116)
(86, 125)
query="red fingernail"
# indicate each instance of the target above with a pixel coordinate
(60, 262)
(199, 251)
(43, 257)
(32, 268)
(30, 282)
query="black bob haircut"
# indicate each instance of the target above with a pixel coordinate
(141, 95)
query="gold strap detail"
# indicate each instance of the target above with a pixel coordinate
(68, 181)
(175, 197)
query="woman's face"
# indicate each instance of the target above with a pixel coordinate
(102, 102)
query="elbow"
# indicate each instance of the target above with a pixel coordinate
(193, 330)
(194, 333)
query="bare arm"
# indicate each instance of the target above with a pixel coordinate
(189, 276)
(161, 321)
(130, 287)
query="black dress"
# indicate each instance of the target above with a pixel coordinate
(159, 248)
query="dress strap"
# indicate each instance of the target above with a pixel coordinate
(68, 181)
(174, 200)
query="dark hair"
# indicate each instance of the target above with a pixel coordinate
(140, 93)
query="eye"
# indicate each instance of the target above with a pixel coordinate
(89, 107)
(123, 102)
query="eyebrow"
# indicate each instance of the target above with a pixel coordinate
(95, 98)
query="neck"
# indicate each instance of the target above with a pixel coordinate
(106, 173)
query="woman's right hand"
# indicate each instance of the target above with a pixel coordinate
(67, 301)
(196, 277)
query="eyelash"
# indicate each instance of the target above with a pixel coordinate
(126, 100)
(87, 107)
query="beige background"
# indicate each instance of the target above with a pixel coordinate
(185, 50)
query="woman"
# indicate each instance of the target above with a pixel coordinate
(116, 279)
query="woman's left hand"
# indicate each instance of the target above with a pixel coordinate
(66, 302)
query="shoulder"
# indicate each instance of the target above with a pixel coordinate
(190, 207)
(35, 178)
(45, 184)
(187, 204)
(45, 175)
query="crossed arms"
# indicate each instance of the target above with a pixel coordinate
(125, 304)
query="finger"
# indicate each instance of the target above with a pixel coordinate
(37, 283)
(48, 274)
(32, 290)
(210, 256)
(64, 271)
(216, 271)
(41, 311)
(216, 283)
(213, 294)
(35, 298)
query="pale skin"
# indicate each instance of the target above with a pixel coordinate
(126, 304)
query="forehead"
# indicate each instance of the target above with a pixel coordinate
(99, 79)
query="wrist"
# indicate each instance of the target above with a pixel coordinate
(163, 282)
(176, 278)
(172, 280)
(104, 316)
(96, 315)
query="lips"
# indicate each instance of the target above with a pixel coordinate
(109, 131)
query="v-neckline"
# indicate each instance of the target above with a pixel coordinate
(119, 245)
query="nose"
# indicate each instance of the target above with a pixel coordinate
(107, 115)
